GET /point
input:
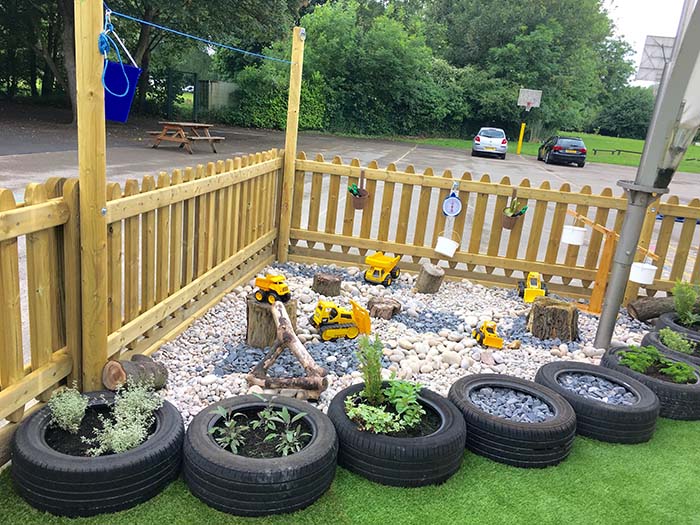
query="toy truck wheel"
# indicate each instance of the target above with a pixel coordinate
(395, 273)
(285, 298)
(272, 297)
(521, 289)
(260, 296)
(387, 282)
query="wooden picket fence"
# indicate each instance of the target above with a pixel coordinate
(404, 217)
(176, 245)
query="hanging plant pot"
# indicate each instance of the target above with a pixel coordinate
(573, 235)
(642, 273)
(120, 82)
(360, 196)
(509, 222)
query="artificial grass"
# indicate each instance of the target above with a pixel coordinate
(655, 482)
(592, 142)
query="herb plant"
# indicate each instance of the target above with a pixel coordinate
(648, 359)
(514, 208)
(229, 436)
(685, 297)
(404, 396)
(67, 408)
(370, 418)
(369, 355)
(676, 341)
(288, 440)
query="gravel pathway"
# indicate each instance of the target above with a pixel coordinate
(429, 341)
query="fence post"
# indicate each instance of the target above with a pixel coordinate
(290, 143)
(92, 170)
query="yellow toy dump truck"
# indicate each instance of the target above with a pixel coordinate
(271, 288)
(334, 322)
(532, 287)
(486, 335)
(382, 268)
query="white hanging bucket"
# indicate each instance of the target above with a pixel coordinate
(642, 273)
(573, 235)
(446, 246)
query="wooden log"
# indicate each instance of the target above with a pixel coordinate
(326, 284)
(141, 368)
(430, 278)
(646, 308)
(262, 330)
(550, 319)
(383, 307)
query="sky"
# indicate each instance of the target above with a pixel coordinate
(635, 19)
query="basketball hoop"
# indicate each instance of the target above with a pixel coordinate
(529, 98)
(528, 106)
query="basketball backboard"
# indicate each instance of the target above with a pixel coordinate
(657, 52)
(529, 98)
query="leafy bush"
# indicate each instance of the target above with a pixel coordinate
(648, 358)
(370, 418)
(685, 297)
(231, 434)
(404, 396)
(676, 341)
(67, 408)
(132, 415)
(370, 357)
(288, 439)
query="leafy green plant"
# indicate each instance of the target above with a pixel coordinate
(67, 408)
(369, 355)
(676, 341)
(401, 396)
(370, 418)
(265, 416)
(514, 208)
(132, 415)
(230, 435)
(685, 297)
(404, 396)
(648, 358)
(288, 440)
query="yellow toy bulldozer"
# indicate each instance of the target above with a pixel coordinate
(382, 269)
(271, 288)
(532, 287)
(334, 322)
(486, 335)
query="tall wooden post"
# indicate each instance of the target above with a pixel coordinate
(290, 143)
(92, 169)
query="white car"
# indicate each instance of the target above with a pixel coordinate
(490, 141)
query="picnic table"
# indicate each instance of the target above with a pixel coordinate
(184, 134)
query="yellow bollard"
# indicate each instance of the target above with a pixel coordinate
(520, 139)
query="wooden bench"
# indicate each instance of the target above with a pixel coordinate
(175, 132)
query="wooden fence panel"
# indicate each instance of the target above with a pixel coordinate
(148, 250)
(482, 200)
(572, 251)
(533, 240)
(368, 212)
(461, 219)
(114, 264)
(513, 247)
(497, 224)
(177, 231)
(131, 258)
(426, 193)
(596, 238)
(349, 212)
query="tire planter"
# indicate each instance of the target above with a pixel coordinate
(259, 486)
(599, 420)
(528, 445)
(401, 461)
(85, 486)
(677, 401)
(653, 339)
(670, 320)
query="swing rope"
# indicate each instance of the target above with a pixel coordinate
(193, 37)
(105, 43)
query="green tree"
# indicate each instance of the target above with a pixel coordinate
(627, 113)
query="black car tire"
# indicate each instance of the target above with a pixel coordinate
(503, 157)
(539, 154)
(256, 487)
(400, 461)
(581, 164)
(602, 421)
(653, 338)
(85, 486)
(670, 320)
(547, 159)
(527, 445)
(677, 401)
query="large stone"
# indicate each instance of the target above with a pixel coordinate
(451, 357)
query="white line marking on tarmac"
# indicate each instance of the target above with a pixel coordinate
(405, 154)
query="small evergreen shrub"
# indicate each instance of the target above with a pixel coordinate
(685, 297)
(67, 408)
(648, 359)
(676, 341)
(369, 355)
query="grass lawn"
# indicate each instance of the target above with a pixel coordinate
(592, 142)
(656, 482)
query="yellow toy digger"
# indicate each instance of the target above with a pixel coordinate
(382, 269)
(533, 287)
(271, 288)
(334, 322)
(486, 335)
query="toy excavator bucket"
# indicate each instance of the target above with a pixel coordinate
(361, 317)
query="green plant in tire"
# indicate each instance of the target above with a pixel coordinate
(681, 373)
(369, 354)
(648, 358)
(404, 396)
(67, 408)
(287, 440)
(685, 298)
(230, 435)
(676, 341)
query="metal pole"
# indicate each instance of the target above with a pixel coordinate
(653, 177)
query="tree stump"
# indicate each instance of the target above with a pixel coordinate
(262, 330)
(430, 278)
(383, 307)
(315, 380)
(326, 284)
(551, 319)
(141, 368)
(646, 308)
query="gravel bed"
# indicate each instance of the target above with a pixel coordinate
(594, 387)
(429, 341)
(508, 403)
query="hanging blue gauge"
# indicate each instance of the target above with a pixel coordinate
(452, 206)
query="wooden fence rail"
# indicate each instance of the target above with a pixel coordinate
(404, 217)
